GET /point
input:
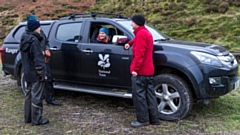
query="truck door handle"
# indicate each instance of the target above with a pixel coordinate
(54, 49)
(88, 51)
(125, 58)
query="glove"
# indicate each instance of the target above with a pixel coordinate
(46, 55)
(46, 59)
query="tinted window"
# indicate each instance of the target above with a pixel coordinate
(156, 33)
(69, 32)
(19, 33)
(21, 29)
(45, 29)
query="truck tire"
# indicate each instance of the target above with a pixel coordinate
(174, 97)
(23, 84)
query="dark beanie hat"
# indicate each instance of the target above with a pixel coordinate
(33, 25)
(138, 19)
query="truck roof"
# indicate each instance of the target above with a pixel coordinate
(42, 22)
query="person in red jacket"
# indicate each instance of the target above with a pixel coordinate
(142, 70)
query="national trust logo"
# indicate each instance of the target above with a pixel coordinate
(104, 61)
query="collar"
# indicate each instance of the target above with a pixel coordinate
(138, 29)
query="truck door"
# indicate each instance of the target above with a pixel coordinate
(105, 64)
(65, 49)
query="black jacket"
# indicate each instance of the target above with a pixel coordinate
(44, 41)
(34, 66)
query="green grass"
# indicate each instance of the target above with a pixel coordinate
(214, 27)
(94, 114)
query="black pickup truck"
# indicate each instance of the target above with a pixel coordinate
(184, 71)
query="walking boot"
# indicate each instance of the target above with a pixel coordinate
(54, 103)
(43, 122)
(138, 124)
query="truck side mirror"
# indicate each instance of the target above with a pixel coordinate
(119, 39)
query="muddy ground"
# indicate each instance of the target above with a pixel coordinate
(88, 114)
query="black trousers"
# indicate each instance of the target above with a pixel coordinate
(144, 99)
(49, 91)
(33, 103)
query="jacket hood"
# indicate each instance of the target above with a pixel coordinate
(28, 38)
(26, 41)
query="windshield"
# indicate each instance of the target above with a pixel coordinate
(157, 35)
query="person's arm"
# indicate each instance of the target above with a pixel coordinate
(46, 52)
(38, 59)
(129, 44)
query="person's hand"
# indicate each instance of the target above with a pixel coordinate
(126, 46)
(47, 53)
(134, 74)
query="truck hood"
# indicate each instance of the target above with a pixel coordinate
(195, 46)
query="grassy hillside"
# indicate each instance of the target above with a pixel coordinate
(212, 21)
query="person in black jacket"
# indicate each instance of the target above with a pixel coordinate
(34, 69)
(49, 90)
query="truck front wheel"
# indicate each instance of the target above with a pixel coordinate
(174, 97)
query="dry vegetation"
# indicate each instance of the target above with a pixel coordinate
(212, 21)
(14, 11)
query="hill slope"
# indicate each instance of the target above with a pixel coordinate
(14, 11)
(212, 21)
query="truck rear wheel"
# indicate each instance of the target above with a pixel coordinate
(23, 84)
(174, 97)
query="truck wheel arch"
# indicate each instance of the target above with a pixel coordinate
(181, 74)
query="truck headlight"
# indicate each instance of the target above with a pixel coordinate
(228, 60)
(207, 58)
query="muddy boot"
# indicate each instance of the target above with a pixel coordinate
(49, 94)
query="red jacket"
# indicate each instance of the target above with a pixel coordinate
(142, 60)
